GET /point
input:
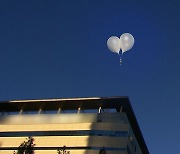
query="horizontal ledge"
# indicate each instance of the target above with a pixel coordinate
(66, 148)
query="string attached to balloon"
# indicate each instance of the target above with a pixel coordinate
(120, 61)
(124, 43)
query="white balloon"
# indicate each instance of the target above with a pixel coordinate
(126, 42)
(113, 44)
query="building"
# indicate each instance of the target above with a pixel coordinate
(83, 125)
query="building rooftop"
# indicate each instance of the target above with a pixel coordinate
(121, 104)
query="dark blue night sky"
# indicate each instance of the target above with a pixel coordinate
(57, 49)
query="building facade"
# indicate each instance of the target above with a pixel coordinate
(78, 125)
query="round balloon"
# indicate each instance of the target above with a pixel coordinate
(126, 42)
(113, 44)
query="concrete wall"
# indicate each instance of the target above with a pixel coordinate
(68, 122)
(63, 118)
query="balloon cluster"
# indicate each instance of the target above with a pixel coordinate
(124, 43)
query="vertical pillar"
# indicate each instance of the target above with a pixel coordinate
(79, 109)
(59, 111)
(40, 110)
(99, 111)
(21, 111)
(121, 108)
